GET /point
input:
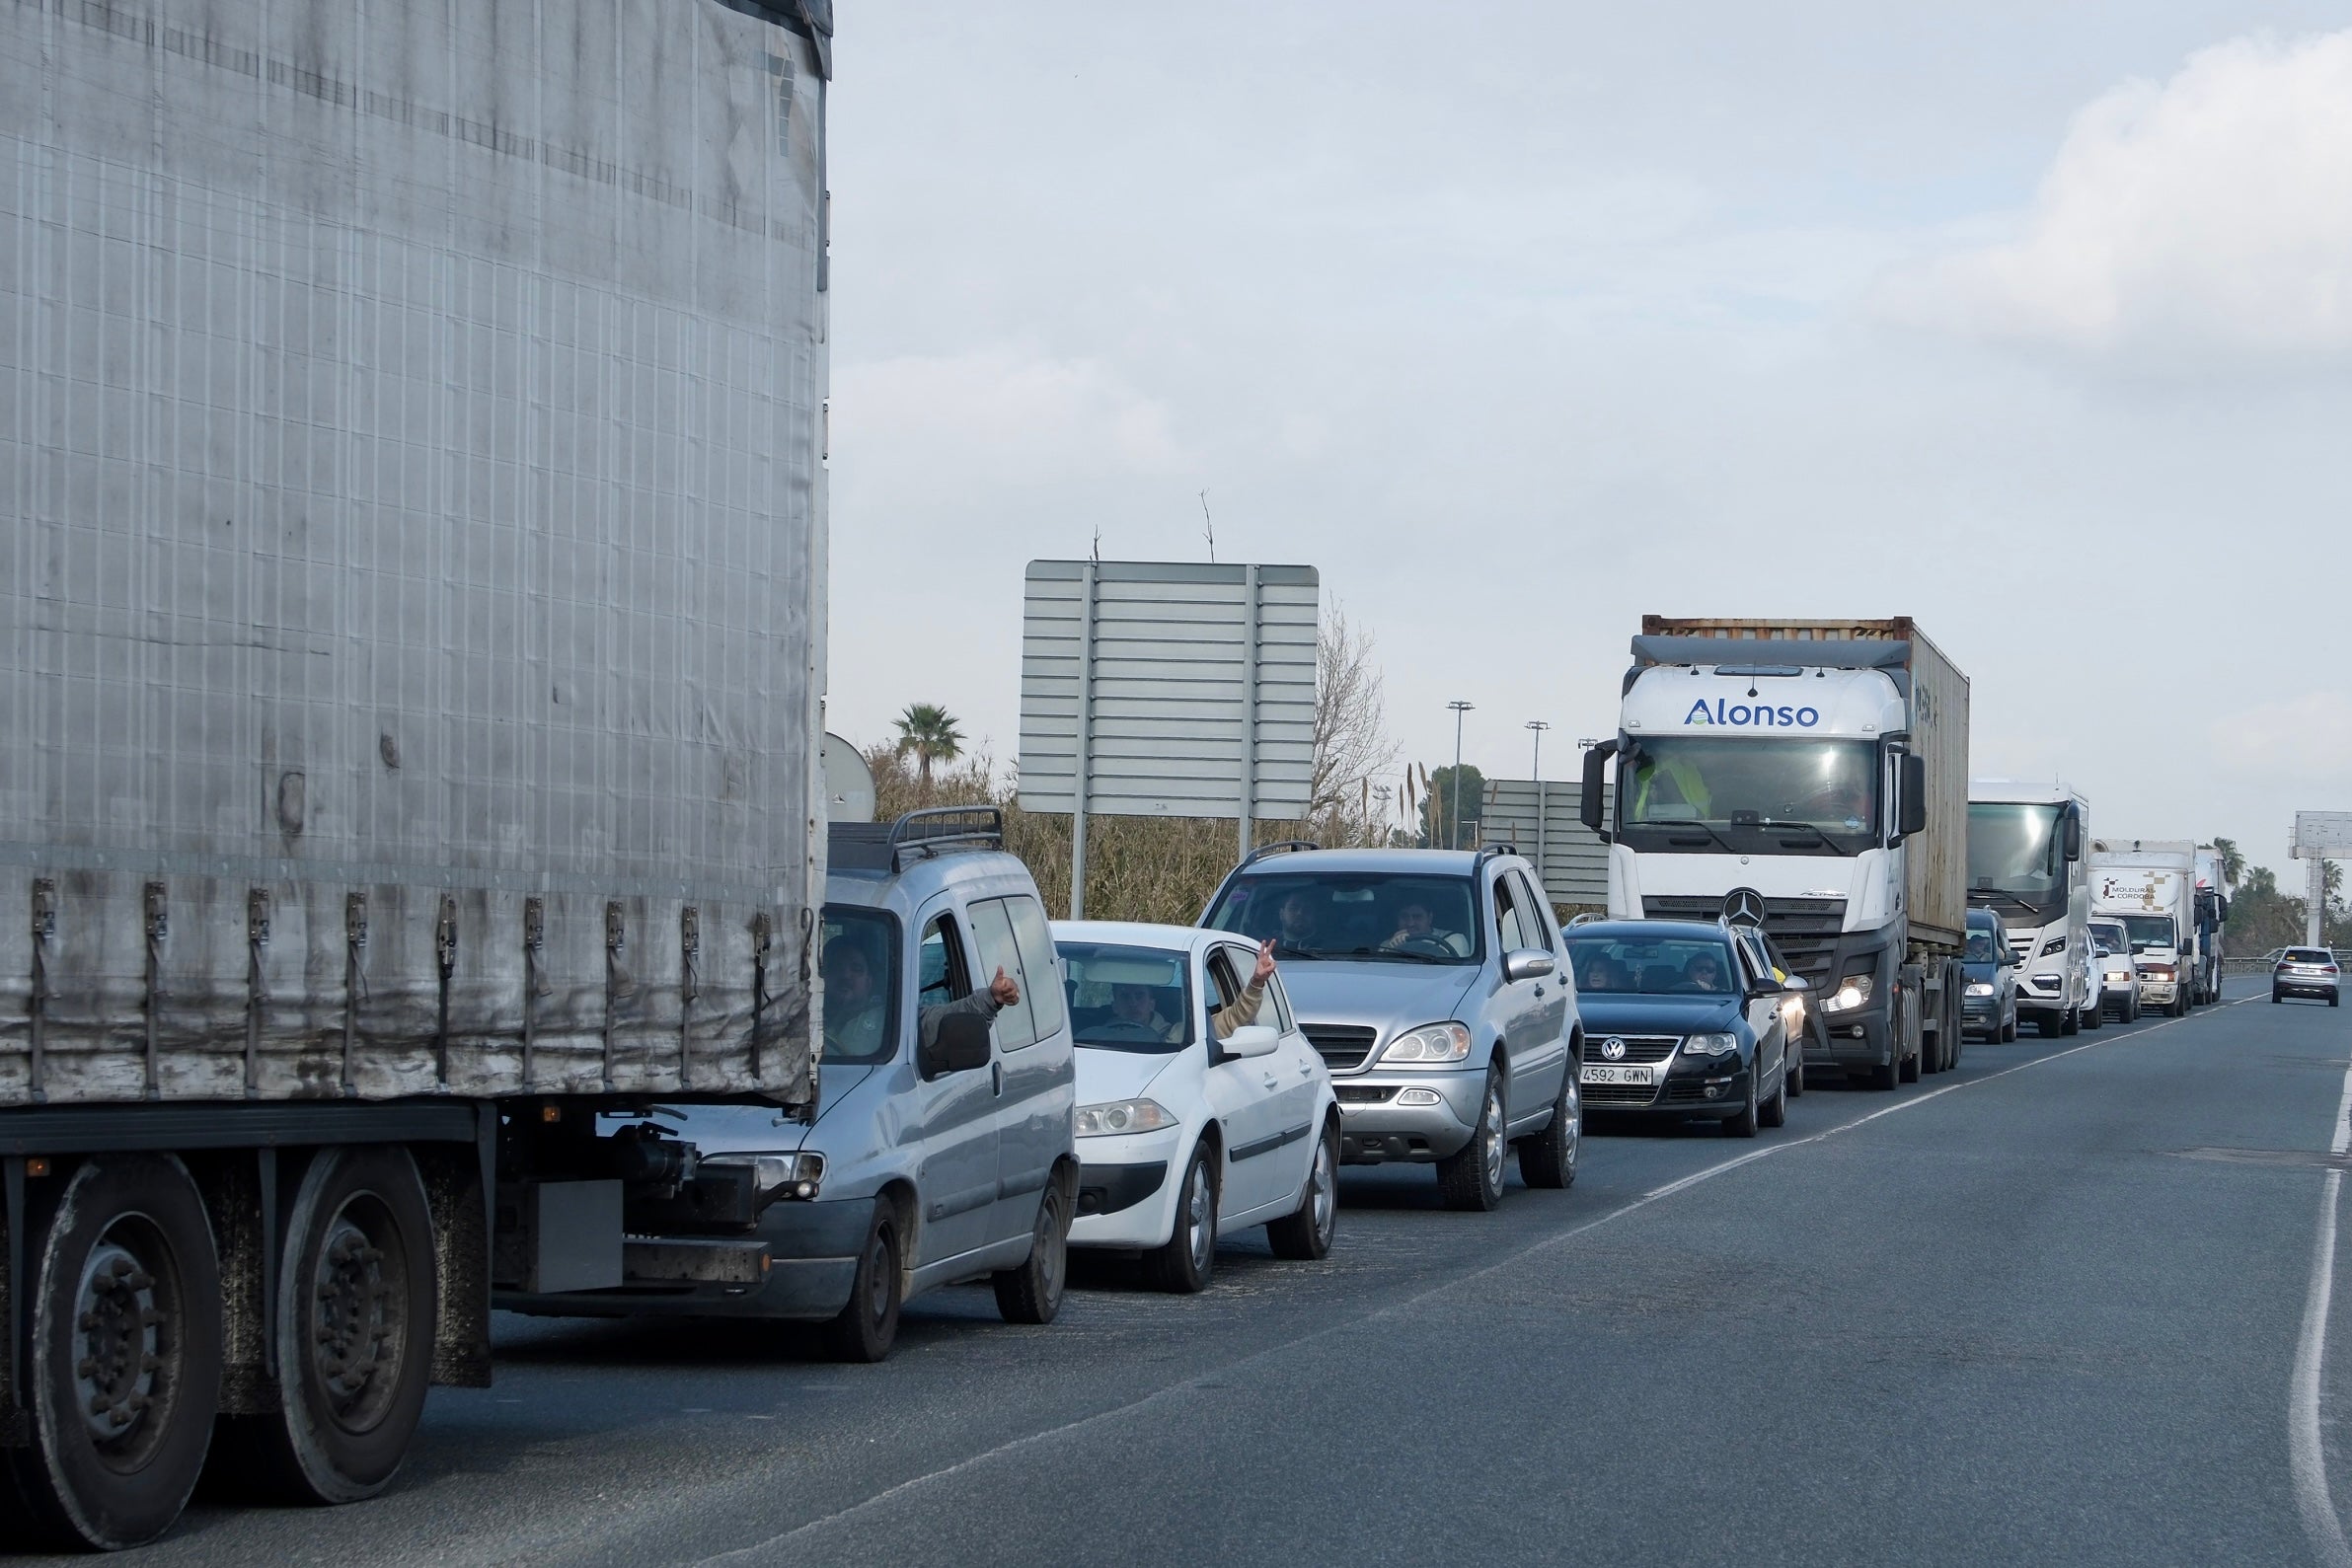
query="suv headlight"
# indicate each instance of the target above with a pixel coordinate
(1852, 993)
(776, 1176)
(1113, 1117)
(1710, 1045)
(1430, 1045)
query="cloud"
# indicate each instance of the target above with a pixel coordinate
(1001, 415)
(2304, 738)
(2206, 217)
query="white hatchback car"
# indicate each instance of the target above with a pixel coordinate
(1184, 1137)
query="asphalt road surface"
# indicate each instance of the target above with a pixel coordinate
(2073, 1303)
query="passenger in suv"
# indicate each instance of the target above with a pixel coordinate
(943, 1147)
(1434, 986)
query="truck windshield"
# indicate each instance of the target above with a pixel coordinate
(1376, 916)
(2014, 846)
(2148, 930)
(1128, 998)
(859, 950)
(1749, 796)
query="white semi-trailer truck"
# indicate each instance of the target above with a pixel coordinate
(2150, 886)
(1809, 777)
(2029, 861)
(411, 674)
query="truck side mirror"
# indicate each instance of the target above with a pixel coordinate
(960, 1045)
(1913, 795)
(1588, 807)
(2074, 835)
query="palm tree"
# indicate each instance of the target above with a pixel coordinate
(929, 731)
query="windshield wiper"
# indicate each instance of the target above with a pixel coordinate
(1674, 828)
(1827, 843)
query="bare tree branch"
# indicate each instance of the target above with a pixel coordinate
(1351, 740)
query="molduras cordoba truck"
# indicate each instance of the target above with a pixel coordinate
(2029, 861)
(2149, 884)
(1811, 778)
(410, 688)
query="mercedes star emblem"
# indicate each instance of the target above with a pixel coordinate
(1744, 906)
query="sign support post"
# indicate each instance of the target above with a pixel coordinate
(1085, 739)
(1248, 704)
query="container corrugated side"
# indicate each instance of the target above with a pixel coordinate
(409, 528)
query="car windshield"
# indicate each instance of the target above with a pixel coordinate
(1984, 946)
(1382, 917)
(2111, 938)
(860, 958)
(2148, 930)
(2016, 847)
(1128, 998)
(1735, 795)
(1652, 966)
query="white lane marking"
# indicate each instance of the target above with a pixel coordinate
(1016, 1445)
(2307, 1456)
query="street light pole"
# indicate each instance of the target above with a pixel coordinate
(1454, 828)
(1538, 726)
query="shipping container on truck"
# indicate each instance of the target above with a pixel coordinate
(411, 613)
(1810, 776)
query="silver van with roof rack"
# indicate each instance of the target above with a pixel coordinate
(941, 1149)
(1434, 985)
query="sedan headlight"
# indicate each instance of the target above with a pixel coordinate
(1852, 993)
(1979, 987)
(1430, 1045)
(1710, 1045)
(1112, 1117)
(776, 1176)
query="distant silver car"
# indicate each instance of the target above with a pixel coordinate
(2305, 972)
(1434, 985)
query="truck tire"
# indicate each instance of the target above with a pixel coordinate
(1470, 1177)
(1032, 1292)
(2051, 1025)
(1183, 1264)
(124, 1380)
(356, 1312)
(1304, 1235)
(867, 1326)
(1548, 1159)
(2095, 1016)
(2070, 1022)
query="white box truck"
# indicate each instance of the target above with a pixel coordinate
(2150, 886)
(2029, 861)
(1810, 776)
(411, 674)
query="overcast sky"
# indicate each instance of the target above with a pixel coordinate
(2032, 321)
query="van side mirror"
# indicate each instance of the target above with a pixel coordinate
(1251, 1040)
(1588, 806)
(1913, 795)
(960, 1046)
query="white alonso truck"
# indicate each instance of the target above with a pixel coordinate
(2028, 861)
(2150, 886)
(1810, 778)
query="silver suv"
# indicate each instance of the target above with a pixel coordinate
(941, 1149)
(1434, 986)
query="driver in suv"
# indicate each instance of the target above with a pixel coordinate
(1434, 985)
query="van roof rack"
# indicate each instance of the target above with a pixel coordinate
(934, 829)
(1279, 847)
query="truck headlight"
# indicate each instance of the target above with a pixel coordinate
(1112, 1117)
(1710, 1045)
(2119, 977)
(777, 1177)
(1852, 993)
(1979, 987)
(1430, 1045)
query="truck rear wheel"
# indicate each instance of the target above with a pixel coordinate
(124, 1376)
(356, 1323)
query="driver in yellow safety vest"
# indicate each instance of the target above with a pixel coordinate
(1674, 781)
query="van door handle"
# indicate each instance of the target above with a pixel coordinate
(996, 1077)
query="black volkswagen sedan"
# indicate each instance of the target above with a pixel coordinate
(1682, 1021)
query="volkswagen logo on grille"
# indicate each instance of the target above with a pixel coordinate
(1613, 1049)
(1744, 906)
